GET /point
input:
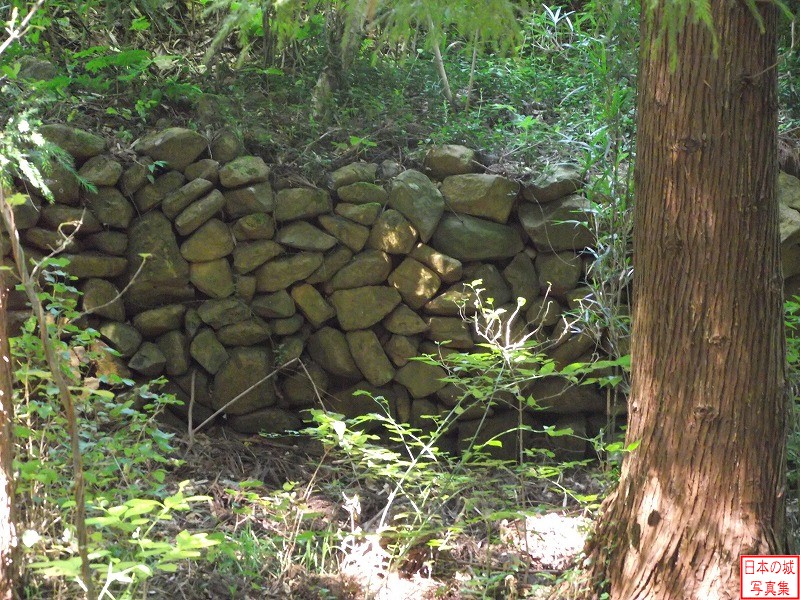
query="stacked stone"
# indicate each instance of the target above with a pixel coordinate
(225, 276)
(789, 205)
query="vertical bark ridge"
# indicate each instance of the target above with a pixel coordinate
(707, 401)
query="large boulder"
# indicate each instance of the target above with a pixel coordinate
(279, 305)
(246, 367)
(543, 312)
(446, 267)
(370, 357)
(175, 348)
(301, 203)
(521, 275)
(176, 202)
(165, 273)
(148, 360)
(481, 195)
(362, 193)
(199, 212)
(363, 214)
(468, 238)
(48, 241)
(392, 233)
(416, 283)
(205, 168)
(158, 321)
(226, 146)
(255, 226)
(35, 68)
(124, 338)
(280, 273)
(110, 207)
(248, 332)
(360, 308)
(176, 146)
(789, 225)
(63, 184)
(302, 388)
(561, 180)
(135, 176)
(76, 142)
(222, 312)
(26, 213)
(450, 159)
(351, 234)
(102, 298)
(242, 171)
(108, 242)
(789, 190)
(210, 242)
(94, 264)
(789, 209)
(421, 379)
(311, 303)
(352, 173)
(257, 198)
(401, 348)
(101, 170)
(559, 272)
(451, 332)
(70, 220)
(509, 431)
(329, 349)
(213, 278)
(371, 267)
(248, 256)
(415, 197)
(558, 225)
(208, 351)
(404, 321)
(558, 395)
(304, 236)
(152, 194)
(331, 264)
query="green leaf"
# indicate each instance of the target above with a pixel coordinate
(553, 432)
(140, 24)
(16, 199)
(140, 506)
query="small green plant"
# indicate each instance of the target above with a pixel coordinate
(398, 489)
(125, 453)
(792, 321)
(127, 546)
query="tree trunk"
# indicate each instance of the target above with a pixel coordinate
(708, 402)
(8, 532)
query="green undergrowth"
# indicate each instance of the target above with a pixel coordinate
(127, 457)
(524, 109)
(376, 489)
(792, 320)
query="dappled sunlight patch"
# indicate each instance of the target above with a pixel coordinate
(551, 541)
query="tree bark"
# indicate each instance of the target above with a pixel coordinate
(708, 401)
(8, 531)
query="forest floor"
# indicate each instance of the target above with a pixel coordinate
(512, 553)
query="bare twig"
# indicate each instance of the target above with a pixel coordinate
(121, 293)
(241, 395)
(190, 416)
(15, 32)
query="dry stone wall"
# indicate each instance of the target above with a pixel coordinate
(228, 272)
